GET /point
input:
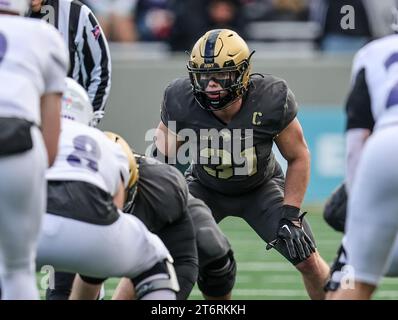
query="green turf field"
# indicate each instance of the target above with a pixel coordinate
(265, 274)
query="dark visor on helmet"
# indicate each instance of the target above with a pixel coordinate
(224, 79)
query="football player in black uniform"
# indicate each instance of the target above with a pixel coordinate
(163, 203)
(232, 119)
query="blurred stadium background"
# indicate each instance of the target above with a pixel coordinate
(298, 40)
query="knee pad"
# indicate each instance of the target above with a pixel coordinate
(161, 276)
(211, 243)
(336, 208)
(217, 278)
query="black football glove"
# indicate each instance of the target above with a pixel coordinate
(291, 231)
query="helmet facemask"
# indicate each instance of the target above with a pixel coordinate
(132, 186)
(130, 181)
(130, 195)
(230, 80)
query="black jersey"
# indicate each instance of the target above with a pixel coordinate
(239, 160)
(162, 194)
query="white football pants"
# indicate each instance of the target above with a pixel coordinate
(372, 223)
(22, 206)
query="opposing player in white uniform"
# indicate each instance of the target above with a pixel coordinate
(33, 65)
(84, 231)
(372, 180)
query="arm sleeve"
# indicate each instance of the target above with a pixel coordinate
(57, 63)
(358, 106)
(96, 60)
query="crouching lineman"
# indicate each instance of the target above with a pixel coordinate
(83, 231)
(33, 65)
(167, 209)
(161, 203)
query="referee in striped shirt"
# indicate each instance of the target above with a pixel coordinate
(90, 62)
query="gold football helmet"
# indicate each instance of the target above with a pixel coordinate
(133, 169)
(223, 56)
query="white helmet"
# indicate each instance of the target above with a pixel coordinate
(15, 6)
(76, 104)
